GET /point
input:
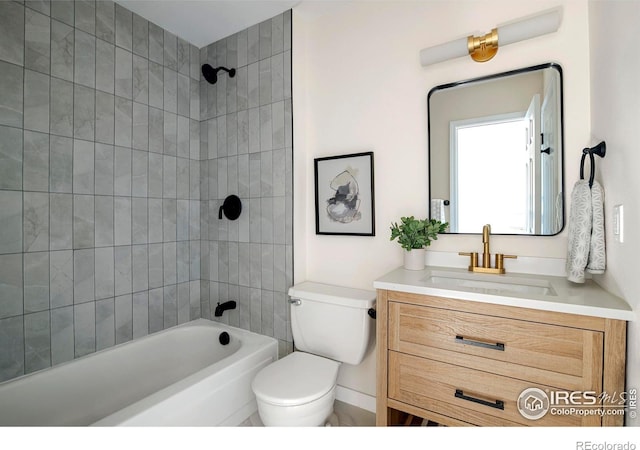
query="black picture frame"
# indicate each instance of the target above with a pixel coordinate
(345, 195)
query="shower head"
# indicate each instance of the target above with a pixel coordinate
(211, 75)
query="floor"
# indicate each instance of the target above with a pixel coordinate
(344, 415)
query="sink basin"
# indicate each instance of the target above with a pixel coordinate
(481, 283)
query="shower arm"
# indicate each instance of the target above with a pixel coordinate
(231, 72)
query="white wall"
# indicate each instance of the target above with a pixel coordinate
(358, 86)
(615, 111)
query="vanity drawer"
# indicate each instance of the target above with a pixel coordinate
(469, 395)
(563, 357)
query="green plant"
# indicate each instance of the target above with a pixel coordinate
(415, 233)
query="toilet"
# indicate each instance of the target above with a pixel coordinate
(331, 326)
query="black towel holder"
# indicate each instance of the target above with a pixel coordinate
(600, 150)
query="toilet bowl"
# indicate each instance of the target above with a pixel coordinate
(297, 390)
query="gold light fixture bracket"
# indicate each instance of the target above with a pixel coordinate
(483, 48)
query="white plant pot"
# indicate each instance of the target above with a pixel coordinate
(414, 259)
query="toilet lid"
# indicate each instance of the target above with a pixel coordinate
(296, 379)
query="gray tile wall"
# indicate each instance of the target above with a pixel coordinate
(110, 183)
(246, 135)
(99, 181)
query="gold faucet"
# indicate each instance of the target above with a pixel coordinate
(486, 256)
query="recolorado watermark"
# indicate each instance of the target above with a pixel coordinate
(588, 445)
(535, 403)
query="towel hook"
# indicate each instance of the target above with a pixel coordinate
(600, 150)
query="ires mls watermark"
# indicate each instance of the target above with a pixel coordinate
(535, 403)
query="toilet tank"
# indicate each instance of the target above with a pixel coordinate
(332, 321)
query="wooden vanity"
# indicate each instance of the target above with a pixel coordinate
(464, 362)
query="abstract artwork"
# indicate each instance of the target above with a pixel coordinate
(344, 194)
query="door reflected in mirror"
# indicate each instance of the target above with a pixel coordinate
(496, 153)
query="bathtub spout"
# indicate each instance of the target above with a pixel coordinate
(223, 307)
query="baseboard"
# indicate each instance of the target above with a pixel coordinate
(355, 398)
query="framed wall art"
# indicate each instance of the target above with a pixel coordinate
(345, 195)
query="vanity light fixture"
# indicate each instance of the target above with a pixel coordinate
(483, 48)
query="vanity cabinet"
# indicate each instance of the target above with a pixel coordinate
(460, 362)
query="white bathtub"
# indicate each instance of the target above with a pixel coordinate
(181, 376)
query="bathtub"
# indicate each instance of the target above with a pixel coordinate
(181, 376)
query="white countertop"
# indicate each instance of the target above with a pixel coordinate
(587, 299)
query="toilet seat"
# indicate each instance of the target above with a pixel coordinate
(296, 379)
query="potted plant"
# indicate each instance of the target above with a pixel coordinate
(414, 235)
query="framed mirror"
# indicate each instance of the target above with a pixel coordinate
(496, 152)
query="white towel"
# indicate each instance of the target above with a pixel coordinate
(437, 210)
(597, 254)
(586, 231)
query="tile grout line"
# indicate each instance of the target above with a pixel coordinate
(49, 179)
(22, 247)
(95, 139)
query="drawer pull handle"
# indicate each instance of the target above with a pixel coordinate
(497, 346)
(499, 404)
